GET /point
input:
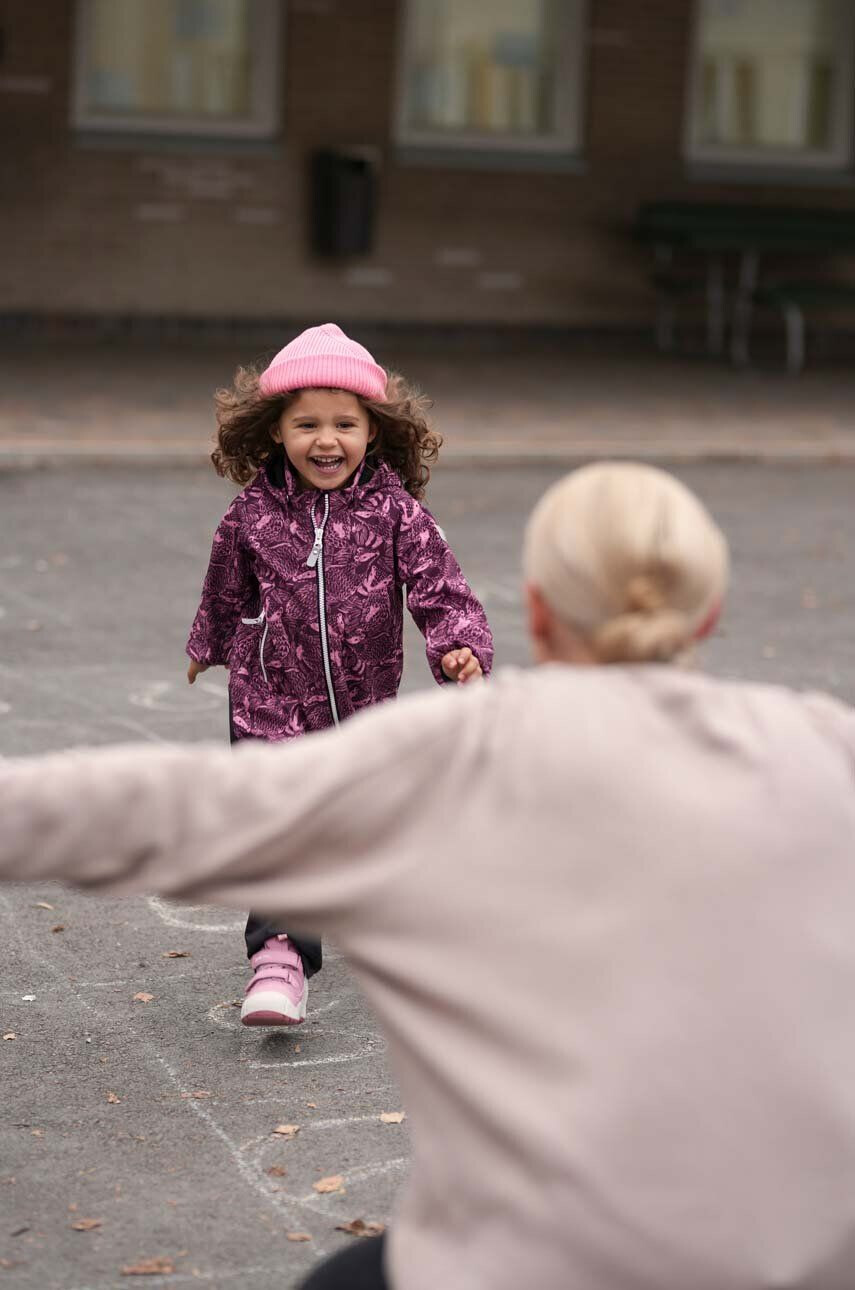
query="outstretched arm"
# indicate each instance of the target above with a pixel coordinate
(315, 825)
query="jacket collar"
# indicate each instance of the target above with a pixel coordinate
(280, 477)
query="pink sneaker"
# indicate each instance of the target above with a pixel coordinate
(277, 993)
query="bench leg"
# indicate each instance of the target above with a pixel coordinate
(715, 307)
(794, 321)
(742, 308)
(665, 317)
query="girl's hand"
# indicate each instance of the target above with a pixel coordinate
(461, 665)
(195, 668)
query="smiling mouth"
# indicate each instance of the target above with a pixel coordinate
(327, 465)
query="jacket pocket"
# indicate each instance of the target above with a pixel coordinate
(256, 622)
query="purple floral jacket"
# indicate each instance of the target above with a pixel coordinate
(303, 600)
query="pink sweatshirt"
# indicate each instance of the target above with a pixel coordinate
(607, 920)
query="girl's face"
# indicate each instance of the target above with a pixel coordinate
(325, 434)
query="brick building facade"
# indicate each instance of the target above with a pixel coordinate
(218, 228)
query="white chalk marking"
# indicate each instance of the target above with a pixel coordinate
(364, 1172)
(373, 1045)
(166, 696)
(278, 1200)
(172, 917)
(227, 1017)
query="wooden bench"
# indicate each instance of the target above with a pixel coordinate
(717, 249)
(792, 299)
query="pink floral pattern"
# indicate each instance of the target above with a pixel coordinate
(378, 540)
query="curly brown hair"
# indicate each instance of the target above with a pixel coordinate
(246, 419)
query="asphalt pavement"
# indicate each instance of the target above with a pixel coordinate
(143, 1128)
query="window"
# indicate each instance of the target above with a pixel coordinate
(177, 66)
(491, 74)
(773, 82)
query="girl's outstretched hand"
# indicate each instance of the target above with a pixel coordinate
(195, 668)
(461, 665)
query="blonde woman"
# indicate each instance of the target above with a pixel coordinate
(606, 915)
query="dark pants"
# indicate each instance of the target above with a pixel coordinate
(259, 929)
(358, 1267)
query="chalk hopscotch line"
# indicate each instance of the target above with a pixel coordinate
(168, 696)
(373, 1046)
(279, 1200)
(173, 916)
(225, 1016)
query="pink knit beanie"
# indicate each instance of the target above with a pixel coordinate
(324, 358)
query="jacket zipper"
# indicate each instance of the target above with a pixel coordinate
(316, 561)
(256, 622)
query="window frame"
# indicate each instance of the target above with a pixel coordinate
(568, 103)
(837, 158)
(266, 60)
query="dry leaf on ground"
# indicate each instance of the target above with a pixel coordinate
(86, 1225)
(313, 1105)
(276, 1171)
(331, 1184)
(60, 927)
(113, 1098)
(10, 1034)
(149, 1268)
(393, 1117)
(142, 997)
(42, 904)
(299, 1236)
(287, 1130)
(177, 954)
(358, 1227)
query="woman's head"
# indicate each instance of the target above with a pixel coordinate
(326, 401)
(623, 565)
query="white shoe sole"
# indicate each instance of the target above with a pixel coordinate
(272, 1008)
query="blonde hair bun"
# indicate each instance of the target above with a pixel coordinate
(627, 555)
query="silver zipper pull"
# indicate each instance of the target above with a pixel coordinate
(314, 554)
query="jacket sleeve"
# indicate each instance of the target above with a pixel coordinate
(229, 593)
(318, 827)
(445, 609)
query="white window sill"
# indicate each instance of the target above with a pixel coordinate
(198, 145)
(756, 175)
(445, 157)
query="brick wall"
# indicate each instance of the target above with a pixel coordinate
(223, 234)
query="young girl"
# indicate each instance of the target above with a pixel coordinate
(303, 596)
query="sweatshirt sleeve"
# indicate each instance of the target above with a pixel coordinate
(445, 609)
(315, 826)
(229, 593)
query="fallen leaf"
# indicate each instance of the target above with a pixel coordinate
(393, 1117)
(72, 1209)
(177, 954)
(287, 1130)
(19, 1231)
(142, 997)
(37, 1133)
(331, 1184)
(313, 1105)
(298, 1236)
(298, 1048)
(149, 1268)
(358, 1227)
(10, 1034)
(276, 1171)
(197, 1093)
(42, 904)
(111, 1097)
(60, 927)
(86, 1225)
